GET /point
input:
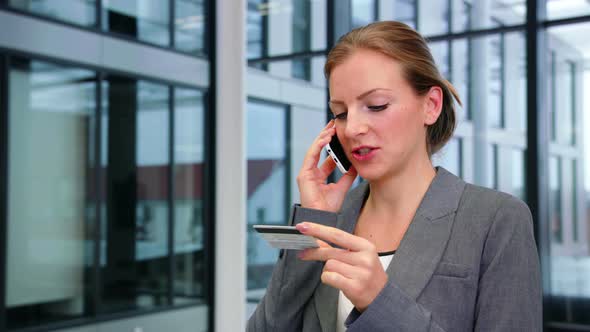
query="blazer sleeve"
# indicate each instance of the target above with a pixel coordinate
(292, 283)
(509, 292)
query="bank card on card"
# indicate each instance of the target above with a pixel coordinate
(285, 237)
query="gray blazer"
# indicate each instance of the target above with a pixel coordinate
(468, 262)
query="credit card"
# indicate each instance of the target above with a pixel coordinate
(285, 237)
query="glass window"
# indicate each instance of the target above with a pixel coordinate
(257, 26)
(190, 261)
(82, 12)
(450, 156)
(440, 52)
(268, 193)
(555, 199)
(563, 88)
(135, 265)
(433, 17)
(189, 26)
(557, 9)
(301, 38)
(478, 15)
(492, 168)
(495, 81)
(517, 187)
(568, 164)
(514, 98)
(461, 15)
(460, 74)
(51, 193)
(363, 12)
(405, 11)
(147, 21)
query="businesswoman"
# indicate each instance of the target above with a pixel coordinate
(414, 248)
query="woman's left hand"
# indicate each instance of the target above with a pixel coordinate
(355, 269)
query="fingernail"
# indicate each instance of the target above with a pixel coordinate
(303, 227)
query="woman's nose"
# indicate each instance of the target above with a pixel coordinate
(356, 124)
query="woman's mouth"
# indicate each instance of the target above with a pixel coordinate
(363, 153)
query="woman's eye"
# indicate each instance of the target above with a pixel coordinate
(340, 116)
(378, 107)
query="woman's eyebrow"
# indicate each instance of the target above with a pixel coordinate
(361, 96)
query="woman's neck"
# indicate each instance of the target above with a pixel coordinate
(400, 195)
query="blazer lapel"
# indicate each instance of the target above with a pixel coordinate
(426, 238)
(420, 249)
(326, 297)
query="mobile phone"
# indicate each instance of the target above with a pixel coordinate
(336, 151)
(285, 237)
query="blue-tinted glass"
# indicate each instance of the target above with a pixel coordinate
(557, 9)
(460, 75)
(569, 203)
(495, 81)
(267, 191)
(134, 266)
(433, 17)
(51, 193)
(486, 14)
(189, 25)
(363, 12)
(440, 52)
(405, 11)
(143, 19)
(301, 38)
(517, 187)
(256, 33)
(190, 284)
(450, 156)
(555, 192)
(82, 12)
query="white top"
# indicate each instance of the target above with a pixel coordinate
(345, 306)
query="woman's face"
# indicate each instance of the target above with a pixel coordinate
(380, 120)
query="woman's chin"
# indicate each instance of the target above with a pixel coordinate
(370, 173)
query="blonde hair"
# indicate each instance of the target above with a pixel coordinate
(401, 43)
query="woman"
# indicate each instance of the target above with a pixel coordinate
(414, 248)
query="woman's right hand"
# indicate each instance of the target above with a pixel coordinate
(315, 192)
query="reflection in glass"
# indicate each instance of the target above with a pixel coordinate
(513, 85)
(492, 169)
(135, 270)
(189, 227)
(144, 20)
(460, 75)
(363, 12)
(486, 14)
(82, 12)
(495, 81)
(257, 26)
(557, 9)
(301, 38)
(517, 187)
(405, 11)
(569, 203)
(450, 157)
(461, 15)
(555, 213)
(189, 26)
(51, 193)
(433, 17)
(440, 52)
(267, 186)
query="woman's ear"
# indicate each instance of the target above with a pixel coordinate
(433, 105)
